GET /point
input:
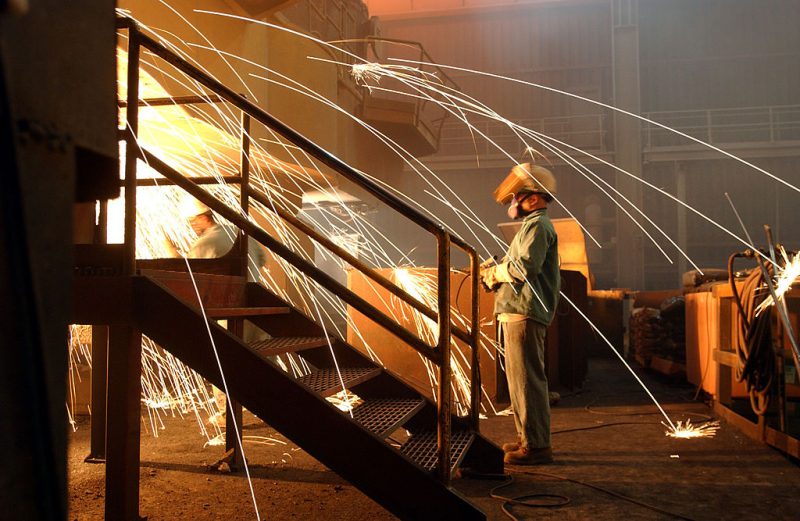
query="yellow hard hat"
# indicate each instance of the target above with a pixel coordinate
(525, 177)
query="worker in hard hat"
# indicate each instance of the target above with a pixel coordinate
(215, 240)
(527, 283)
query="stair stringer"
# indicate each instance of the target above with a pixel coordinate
(357, 455)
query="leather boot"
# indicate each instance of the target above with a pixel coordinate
(526, 456)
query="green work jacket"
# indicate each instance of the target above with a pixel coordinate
(533, 264)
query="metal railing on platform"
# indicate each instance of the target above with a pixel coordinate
(723, 126)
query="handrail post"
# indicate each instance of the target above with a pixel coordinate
(444, 395)
(131, 154)
(475, 333)
(244, 194)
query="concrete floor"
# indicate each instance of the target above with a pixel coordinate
(726, 477)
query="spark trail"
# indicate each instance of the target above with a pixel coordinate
(270, 187)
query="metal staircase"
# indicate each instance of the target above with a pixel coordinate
(133, 298)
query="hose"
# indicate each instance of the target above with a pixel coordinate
(752, 335)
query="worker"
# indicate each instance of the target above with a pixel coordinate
(215, 240)
(527, 282)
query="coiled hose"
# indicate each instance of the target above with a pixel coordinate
(753, 335)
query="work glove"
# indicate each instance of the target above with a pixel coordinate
(489, 278)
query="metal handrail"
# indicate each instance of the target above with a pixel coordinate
(257, 233)
(708, 124)
(441, 355)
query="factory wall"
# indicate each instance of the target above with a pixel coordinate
(693, 56)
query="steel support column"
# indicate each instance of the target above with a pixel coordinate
(627, 139)
(123, 423)
(233, 418)
(97, 442)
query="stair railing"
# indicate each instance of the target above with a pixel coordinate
(438, 354)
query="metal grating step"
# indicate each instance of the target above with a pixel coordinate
(384, 415)
(326, 382)
(286, 344)
(422, 448)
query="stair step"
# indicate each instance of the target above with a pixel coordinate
(383, 415)
(287, 344)
(326, 382)
(245, 312)
(422, 448)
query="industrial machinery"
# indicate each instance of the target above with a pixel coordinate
(741, 346)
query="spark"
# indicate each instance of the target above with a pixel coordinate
(785, 277)
(191, 152)
(421, 284)
(687, 430)
(364, 72)
(616, 109)
(345, 400)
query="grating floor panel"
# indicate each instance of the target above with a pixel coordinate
(327, 381)
(280, 345)
(383, 415)
(422, 448)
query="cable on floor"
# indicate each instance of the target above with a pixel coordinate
(544, 500)
(537, 500)
(590, 409)
(604, 490)
(600, 426)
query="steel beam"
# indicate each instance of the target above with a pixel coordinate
(123, 416)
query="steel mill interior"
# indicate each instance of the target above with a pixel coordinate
(400, 259)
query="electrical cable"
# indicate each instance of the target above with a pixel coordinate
(606, 491)
(467, 275)
(539, 500)
(588, 408)
(752, 340)
(600, 426)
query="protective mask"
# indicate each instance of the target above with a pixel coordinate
(514, 211)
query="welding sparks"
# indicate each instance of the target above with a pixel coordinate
(686, 430)
(345, 400)
(189, 153)
(422, 286)
(786, 276)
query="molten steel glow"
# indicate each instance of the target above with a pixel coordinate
(688, 430)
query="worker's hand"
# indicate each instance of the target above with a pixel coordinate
(168, 247)
(489, 278)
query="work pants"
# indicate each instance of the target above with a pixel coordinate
(527, 382)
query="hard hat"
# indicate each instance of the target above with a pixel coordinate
(191, 207)
(525, 177)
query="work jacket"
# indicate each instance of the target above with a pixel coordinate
(532, 264)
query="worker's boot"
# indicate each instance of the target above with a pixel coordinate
(529, 456)
(511, 447)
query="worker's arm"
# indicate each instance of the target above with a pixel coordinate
(526, 256)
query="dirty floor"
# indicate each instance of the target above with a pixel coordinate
(609, 435)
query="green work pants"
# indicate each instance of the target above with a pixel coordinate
(527, 381)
